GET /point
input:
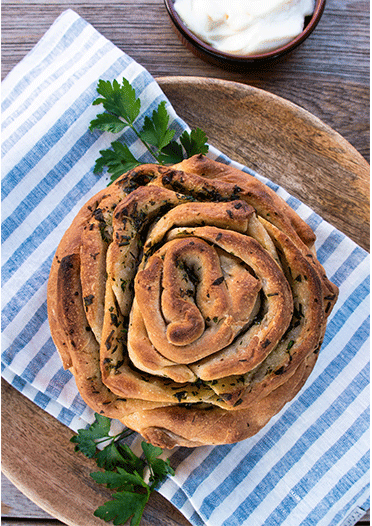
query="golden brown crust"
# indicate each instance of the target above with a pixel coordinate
(188, 302)
(190, 427)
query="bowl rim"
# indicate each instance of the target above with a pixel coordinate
(221, 55)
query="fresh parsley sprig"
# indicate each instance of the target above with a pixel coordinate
(122, 109)
(124, 471)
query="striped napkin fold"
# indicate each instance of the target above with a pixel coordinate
(309, 465)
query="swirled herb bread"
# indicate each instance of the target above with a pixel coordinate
(188, 302)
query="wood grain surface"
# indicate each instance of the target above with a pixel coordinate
(328, 76)
(282, 141)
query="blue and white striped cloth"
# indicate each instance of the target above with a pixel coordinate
(309, 465)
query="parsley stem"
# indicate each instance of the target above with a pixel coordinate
(115, 438)
(145, 144)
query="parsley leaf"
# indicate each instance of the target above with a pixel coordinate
(124, 505)
(86, 439)
(124, 471)
(172, 153)
(109, 457)
(159, 468)
(118, 160)
(194, 142)
(155, 130)
(132, 462)
(107, 122)
(119, 479)
(151, 452)
(119, 99)
(122, 109)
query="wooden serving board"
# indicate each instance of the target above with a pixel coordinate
(283, 142)
(275, 138)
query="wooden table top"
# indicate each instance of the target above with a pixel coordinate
(328, 76)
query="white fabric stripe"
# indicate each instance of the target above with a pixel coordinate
(31, 350)
(66, 69)
(339, 256)
(188, 510)
(358, 487)
(38, 54)
(328, 354)
(323, 230)
(68, 393)
(25, 272)
(316, 495)
(53, 114)
(49, 201)
(306, 463)
(25, 313)
(53, 407)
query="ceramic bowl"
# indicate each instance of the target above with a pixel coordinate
(239, 62)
